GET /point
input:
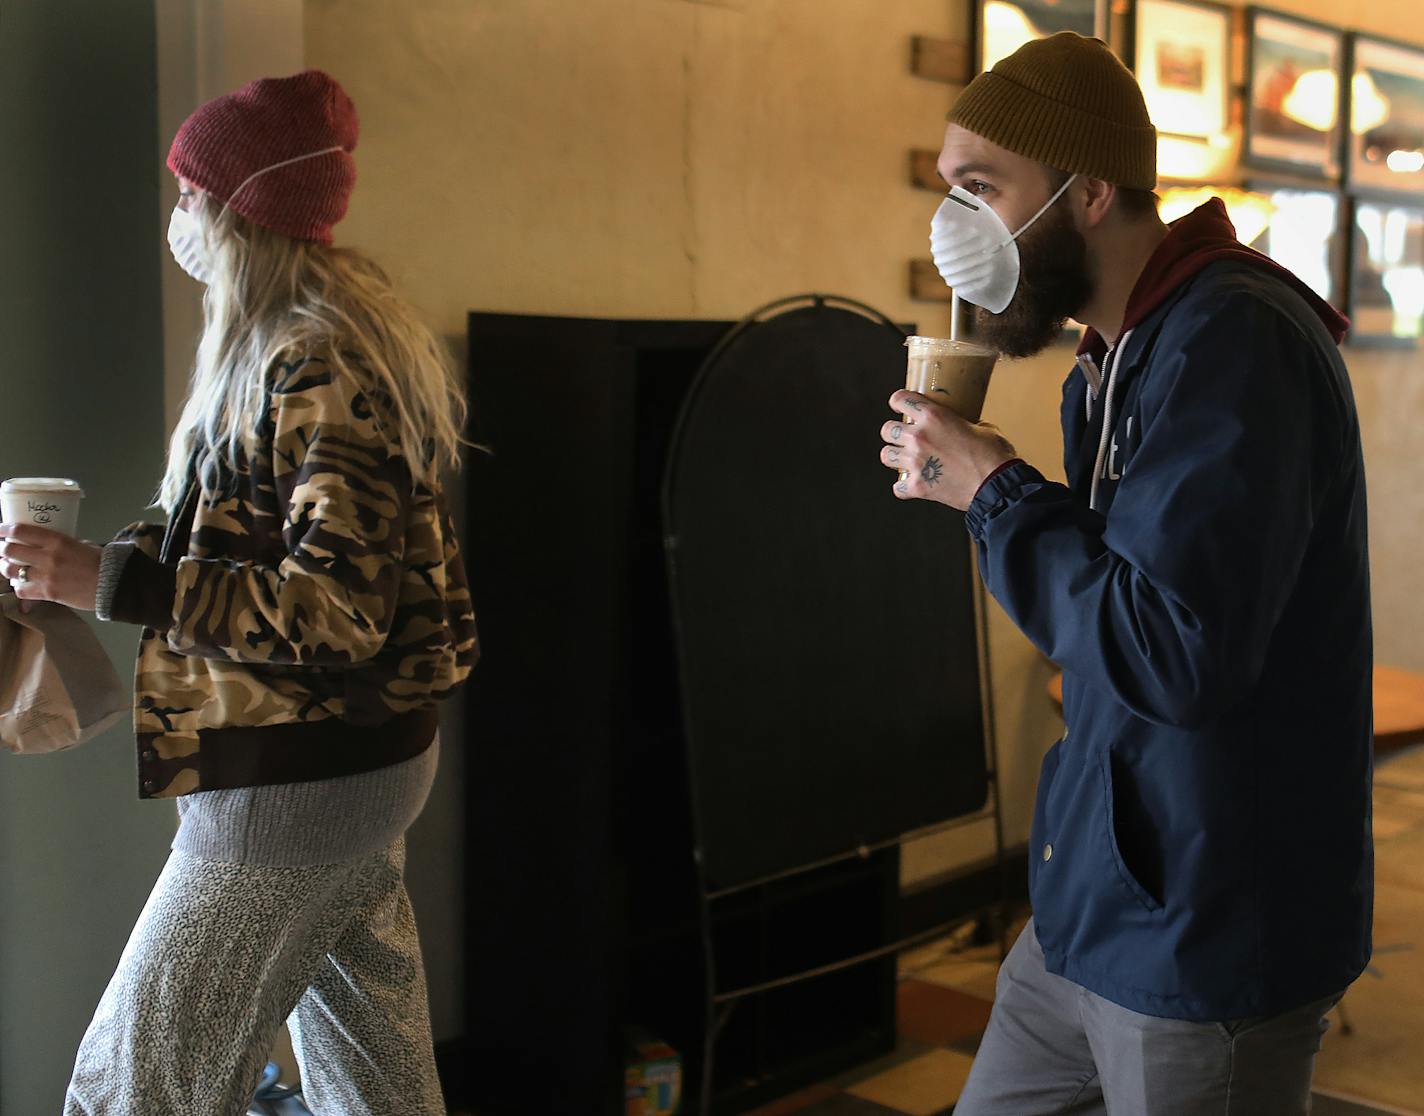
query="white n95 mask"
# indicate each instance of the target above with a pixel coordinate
(974, 250)
(185, 241)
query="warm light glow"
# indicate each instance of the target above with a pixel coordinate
(1249, 212)
(1194, 160)
(1006, 28)
(1405, 162)
(1314, 100)
(1369, 108)
(1405, 287)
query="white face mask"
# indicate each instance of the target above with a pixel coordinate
(186, 242)
(185, 235)
(974, 250)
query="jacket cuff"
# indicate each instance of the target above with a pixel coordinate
(1001, 489)
(1007, 464)
(145, 591)
(111, 567)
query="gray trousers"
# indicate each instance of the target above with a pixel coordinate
(224, 952)
(1054, 1047)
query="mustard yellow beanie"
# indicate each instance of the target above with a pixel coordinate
(1066, 101)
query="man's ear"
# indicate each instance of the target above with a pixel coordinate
(1097, 198)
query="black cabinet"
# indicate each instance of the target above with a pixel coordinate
(723, 669)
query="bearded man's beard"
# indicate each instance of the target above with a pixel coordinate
(1054, 285)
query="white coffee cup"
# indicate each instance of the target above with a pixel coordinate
(51, 502)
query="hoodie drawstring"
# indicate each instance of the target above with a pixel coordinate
(1115, 357)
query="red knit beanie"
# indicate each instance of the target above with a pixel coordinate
(278, 151)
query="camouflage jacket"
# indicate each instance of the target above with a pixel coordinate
(302, 611)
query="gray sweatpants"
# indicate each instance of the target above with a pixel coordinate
(281, 902)
(1054, 1047)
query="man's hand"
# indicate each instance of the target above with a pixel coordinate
(45, 565)
(939, 455)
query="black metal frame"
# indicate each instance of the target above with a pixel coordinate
(1338, 144)
(1102, 27)
(1348, 169)
(722, 1002)
(1354, 246)
(1130, 48)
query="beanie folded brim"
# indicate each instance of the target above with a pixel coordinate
(1059, 135)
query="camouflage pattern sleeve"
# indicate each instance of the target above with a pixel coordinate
(146, 537)
(338, 499)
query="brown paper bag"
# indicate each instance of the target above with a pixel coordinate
(57, 686)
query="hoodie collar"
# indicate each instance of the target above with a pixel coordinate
(1202, 237)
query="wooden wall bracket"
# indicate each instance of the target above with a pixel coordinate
(926, 284)
(939, 59)
(924, 173)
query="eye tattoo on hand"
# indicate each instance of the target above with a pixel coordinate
(932, 471)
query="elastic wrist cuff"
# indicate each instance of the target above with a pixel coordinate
(1000, 489)
(145, 592)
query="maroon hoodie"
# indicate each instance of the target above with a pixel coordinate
(1202, 237)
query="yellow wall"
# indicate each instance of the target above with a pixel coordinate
(674, 158)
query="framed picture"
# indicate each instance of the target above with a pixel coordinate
(1182, 56)
(1387, 272)
(1000, 27)
(1386, 146)
(1305, 232)
(1293, 84)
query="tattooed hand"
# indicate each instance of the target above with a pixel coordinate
(938, 455)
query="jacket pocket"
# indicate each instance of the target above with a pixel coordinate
(1129, 879)
(1039, 827)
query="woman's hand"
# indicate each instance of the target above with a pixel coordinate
(45, 565)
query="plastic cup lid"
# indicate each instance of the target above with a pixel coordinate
(42, 484)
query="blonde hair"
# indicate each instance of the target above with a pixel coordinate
(273, 298)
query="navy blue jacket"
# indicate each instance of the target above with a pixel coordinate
(1201, 841)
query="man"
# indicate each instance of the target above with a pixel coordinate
(1200, 864)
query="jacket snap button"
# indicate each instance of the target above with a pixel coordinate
(149, 755)
(1048, 852)
(149, 786)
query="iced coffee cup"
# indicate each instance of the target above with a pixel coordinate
(954, 373)
(51, 502)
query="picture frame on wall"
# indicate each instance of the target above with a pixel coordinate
(1387, 270)
(1306, 231)
(1294, 104)
(1181, 52)
(1000, 27)
(1386, 140)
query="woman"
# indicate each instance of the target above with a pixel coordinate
(303, 610)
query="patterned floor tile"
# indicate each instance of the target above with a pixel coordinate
(906, 1050)
(1321, 1105)
(799, 1103)
(921, 1087)
(940, 1016)
(976, 978)
(843, 1104)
